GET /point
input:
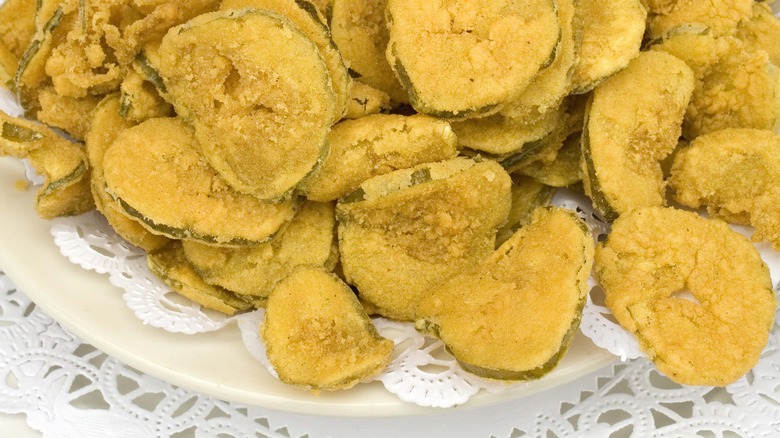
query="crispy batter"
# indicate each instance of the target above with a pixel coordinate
(308, 239)
(154, 173)
(630, 129)
(365, 100)
(407, 230)
(734, 173)
(140, 99)
(527, 195)
(735, 87)
(313, 314)
(375, 145)
(17, 26)
(515, 315)
(457, 58)
(261, 108)
(564, 171)
(761, 31)
(653, 254)
(67, 113)
(719, 16)
(611, 33)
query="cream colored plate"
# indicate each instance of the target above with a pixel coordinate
(214, 363)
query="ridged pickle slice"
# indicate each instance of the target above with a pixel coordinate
(458, 59)
(735, 87)
(611, 33)
(258, 93)
(105, 126)
(514, 316)
(360, 32)
(155, 174)
(376, 145)
(630, 129)
(308, 239)
(64, 166)
(735, 174)
(171, 266)
(653, 256)
(311, 22)
(405, 231)
(317, 334)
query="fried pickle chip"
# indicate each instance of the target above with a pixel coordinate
(317, 334)
(732, 173)
(8, 63)
(70, 114)
(654, 254)
(311, 22)
(735, 87)
(258, 94)
(405, 231)
(365, 100)
(154, 173)
(170, 266)
(309, 239)
(140, 99)
(459, 59)
(375, 145)
(105, 126)
(761, 31)
(719, 16)
(64, 166)
(611, 33)
(360, 32)
(513, 318)
(527, 195)
(630, 129)
(564, 171)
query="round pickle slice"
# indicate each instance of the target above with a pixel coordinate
(458, 59)
(258, 94)
(514, 316)
(630, 129)
(309, 239)
(105, 126)
(154, 174)
(375, 145)
(652, 256)
(317, 334)
(735, 174)
(170, 266)
(405, 231)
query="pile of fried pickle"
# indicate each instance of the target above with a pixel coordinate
(333, 160)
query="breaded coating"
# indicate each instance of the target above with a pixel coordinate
(317, 334)
(308, 239)
(633, 124)
(651, 256)
(70, 114)
(65, 190)
(527, 195)
(735, 174)
(359, 30)
(549, 87)
(408, 230)
(258, 93)
(611, 33)
(564, 171)
(8, 63)
(375, 145)
(154, 173)
(170, 266)
(457, 58)
(365, 100)
(140, 99)
(515, 315)
(761, 31)
(735, 87)
(105, 126)
(721, 17)
(307, 18)
(17, 26)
